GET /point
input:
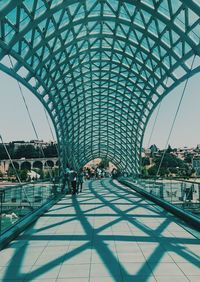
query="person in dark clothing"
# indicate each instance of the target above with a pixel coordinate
(73, 179)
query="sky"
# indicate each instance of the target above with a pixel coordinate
(14, 121)
(186, 131)
(15, 124)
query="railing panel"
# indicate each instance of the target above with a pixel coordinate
(20, 200)
(182, 193)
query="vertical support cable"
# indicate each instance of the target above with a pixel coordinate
(30, 117)
(175, 117)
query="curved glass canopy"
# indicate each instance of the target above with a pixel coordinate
(100, 67)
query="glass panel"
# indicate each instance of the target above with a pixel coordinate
(21, 200)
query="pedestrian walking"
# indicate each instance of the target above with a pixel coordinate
(80, 181)
(73, 180)
(66, 180)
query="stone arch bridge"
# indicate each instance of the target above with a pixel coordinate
(40, 163)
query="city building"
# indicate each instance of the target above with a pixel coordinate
(196, 164)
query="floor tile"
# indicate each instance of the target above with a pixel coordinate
(74, 271)
(101, 270)
(165, 268)
(194, 278)
(167, 278)
(190, 268)
(105, 234)
(136, 269)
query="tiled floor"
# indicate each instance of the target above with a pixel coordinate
(107, 233)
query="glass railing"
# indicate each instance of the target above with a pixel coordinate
(20, 200)
(182, 193)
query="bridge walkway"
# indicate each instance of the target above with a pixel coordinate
(106, 233)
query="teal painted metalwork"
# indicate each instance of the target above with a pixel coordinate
(100, 67)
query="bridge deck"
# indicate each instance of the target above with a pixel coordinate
(104, 234)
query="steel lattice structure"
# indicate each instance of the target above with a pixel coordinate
(100, 67)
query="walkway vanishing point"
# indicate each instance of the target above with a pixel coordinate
(107, 233)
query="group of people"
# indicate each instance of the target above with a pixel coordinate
(96, 173)
(74, 181)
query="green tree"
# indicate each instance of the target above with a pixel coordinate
(144, 172)
(3, 154)
(145, 161)
(104, 163)
(27, 151)
(154, 149)
(188, 158)
(169, 160)
(170, 164)
(40, 172)
(23, 174)
(169, 149)
(152, 170)
(11, 172)
(50, 151)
